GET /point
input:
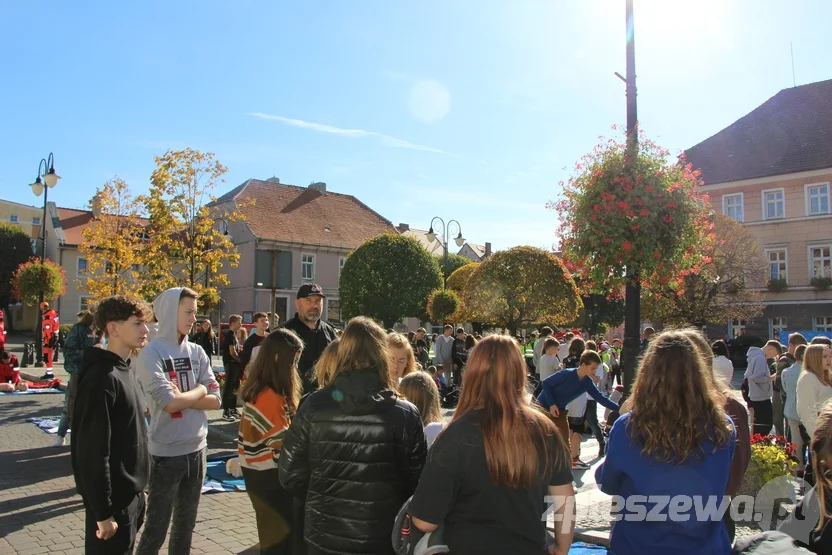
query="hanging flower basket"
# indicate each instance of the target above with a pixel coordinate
(777, 285)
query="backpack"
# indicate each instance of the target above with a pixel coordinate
(409, 540)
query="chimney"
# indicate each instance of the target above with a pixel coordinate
(318, 186)
(273, 180)
(403, 227)
(487, 250)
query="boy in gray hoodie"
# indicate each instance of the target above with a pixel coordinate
(759, 390)
(178, 384)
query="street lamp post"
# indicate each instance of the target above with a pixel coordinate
(443, 237)
(632, 293)
(46, 170)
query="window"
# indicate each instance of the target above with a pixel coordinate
(777, 264)
(35, 220)
(13, 218)
(817, 199)
(85, 303)
(736, 328)
(307, 267)
(821, 261)
(136, 268)
(777, 326)
(823, 323)
(333, 310)
(732, 206)
(82, 267)
(774, 204)
(341, 265)
(108, 267)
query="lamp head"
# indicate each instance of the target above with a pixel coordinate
(459, 240)
(37, 187)
(431, 235)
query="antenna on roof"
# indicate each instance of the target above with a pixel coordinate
(794, 81)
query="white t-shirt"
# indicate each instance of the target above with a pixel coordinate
(432, 430)
(599, 373)
(724, 367)
(563, 351)
(547, 366)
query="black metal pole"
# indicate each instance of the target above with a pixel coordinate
(39, 324)
(632, 294)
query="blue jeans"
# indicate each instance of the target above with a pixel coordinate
(63, 426)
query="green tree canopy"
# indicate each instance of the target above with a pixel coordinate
(33, 278)
(15, 249)
(452, 263)
(521, 287)
(601, 312)
(443, 305)
(459, 277)
(388, 278)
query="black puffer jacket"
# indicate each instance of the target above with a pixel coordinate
(355, 451)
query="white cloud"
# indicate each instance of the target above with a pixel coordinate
(351, 133)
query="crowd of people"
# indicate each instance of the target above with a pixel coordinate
(339, 432)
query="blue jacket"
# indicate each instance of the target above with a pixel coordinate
(79, 338)
(561, 388)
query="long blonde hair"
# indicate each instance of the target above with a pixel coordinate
(514, 432)
(325, 367)
(397, 341)
(420, 389)
(813, 362)
(363, 346)
(821, 448)
(674, 374)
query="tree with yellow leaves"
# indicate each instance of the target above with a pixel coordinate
(113, 242)
(189, 243)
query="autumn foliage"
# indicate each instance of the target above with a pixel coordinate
(519, 287)
(443, 305)
(619, 219)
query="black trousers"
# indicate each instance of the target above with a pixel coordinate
(592, 419)
(232, 383)
(273, 509)
(129, 520)
(763, 416)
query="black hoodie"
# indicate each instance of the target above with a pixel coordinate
(355, 450)
(110, 459)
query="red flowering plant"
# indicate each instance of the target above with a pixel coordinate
(33, 278)
(646, 217)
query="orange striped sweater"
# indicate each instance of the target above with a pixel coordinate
(262, 427)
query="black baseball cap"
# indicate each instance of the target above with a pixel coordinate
(310, 290)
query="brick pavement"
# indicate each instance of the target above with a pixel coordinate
(40, 511)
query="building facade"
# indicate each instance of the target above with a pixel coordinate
(772, 170)
(291, 236)
(28, 218)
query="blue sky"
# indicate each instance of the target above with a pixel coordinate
(472, 110)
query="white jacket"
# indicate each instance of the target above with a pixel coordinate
(811, 397)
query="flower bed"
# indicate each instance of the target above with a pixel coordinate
(771, 457)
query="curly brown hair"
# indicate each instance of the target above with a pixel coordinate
(676, 404)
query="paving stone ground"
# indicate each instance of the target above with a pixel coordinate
(40, 511)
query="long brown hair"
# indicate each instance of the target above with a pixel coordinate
(813, 362)
(420, 389)
(514, 432)
(576, 347)
(821, 448)
(674, 374)
(396, 341)
(363, 346)
(281, 375)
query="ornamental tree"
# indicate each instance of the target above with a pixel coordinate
(520, 287)
(113, 242)
(718, 290)
(457, 280)
(388, 278)
(442, 305)
(452, 263)
(33, 278)
(623, 221)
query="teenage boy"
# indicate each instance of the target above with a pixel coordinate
(561, 388)
(233, 370)
(252, 344)
(549, 363)
(179, 386)
(109, 452)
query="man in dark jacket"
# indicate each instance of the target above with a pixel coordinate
(110, 459)
(315, 333)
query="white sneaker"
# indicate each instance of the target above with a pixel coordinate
(59, 441)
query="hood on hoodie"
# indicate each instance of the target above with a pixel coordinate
(97, 355)
(755, 352)
(361, 392)
(166, 310)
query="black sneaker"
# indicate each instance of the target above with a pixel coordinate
(235, 413)
(48, 376)
(227, 416)
(602, 452)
